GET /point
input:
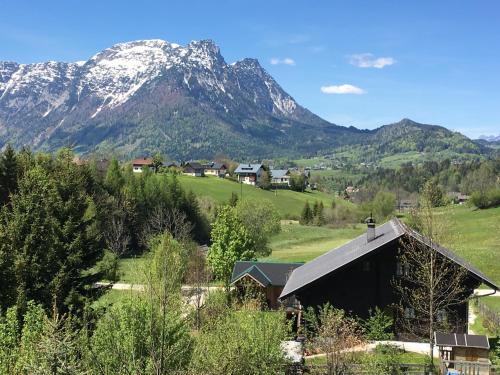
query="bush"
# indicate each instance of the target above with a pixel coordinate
(491, 198)
(108, 266)
(134, 337)
(385, 360)
(378, 326)
(242, 342)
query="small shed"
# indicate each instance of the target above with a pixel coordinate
(268, 276)
(464, 352)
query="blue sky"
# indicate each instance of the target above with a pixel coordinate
(360, 63)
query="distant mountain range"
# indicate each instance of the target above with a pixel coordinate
(186, 102)
(490, 138)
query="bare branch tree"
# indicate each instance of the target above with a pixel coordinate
(167, 219)
(432, 287)
(336, 336)
(116, 235)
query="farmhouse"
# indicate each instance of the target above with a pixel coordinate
(249, 174)
(280, 177)
(215, 169)
(194, 169)
(359, 275)
(138, 165)
(269, 278)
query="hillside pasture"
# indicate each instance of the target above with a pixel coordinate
(288, 203)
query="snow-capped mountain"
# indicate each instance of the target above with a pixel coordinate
(151, 95)
(134, 97)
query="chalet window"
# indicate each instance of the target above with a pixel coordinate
(402, 269)
(441, 316)
(366, 265)
(409, 313)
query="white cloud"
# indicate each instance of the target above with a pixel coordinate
(367, 60)
(285, 61)
(342, 89)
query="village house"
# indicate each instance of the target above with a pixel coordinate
(215, 169)
(458, 197)
(280, 177)
(194, 169)
(138, 165)
(268, 277)
(249, 174)
(359, 276)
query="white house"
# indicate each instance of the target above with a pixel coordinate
(280, 177)
(215, 169)
(249, 174)
(139, 164)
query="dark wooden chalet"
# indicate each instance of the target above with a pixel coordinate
(267, 276)
(359, 275)
(194, 169)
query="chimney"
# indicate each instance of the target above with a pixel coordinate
(370, 232)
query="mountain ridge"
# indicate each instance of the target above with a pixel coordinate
(185, 101)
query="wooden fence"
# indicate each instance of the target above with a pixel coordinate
(467, 368)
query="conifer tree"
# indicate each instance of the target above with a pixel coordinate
(114, 180)
(8, 174)
(307, 215)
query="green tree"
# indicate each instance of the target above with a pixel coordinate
(243, 342)
(8, 174)
(297, 182)
(133, 337)
(114, 180)
(157, 161)
(318, 213)
(233, 200)
(265, 180)
(378, 325)
(306, 216)
(432, 193)
(383, 205)
(261, 220)
(47, 240)
(231, 241)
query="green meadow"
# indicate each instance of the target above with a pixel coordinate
(288, 203)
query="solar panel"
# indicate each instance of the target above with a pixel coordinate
(461, 340)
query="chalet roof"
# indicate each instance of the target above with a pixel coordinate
(279, 173)
(143, 161)
(194, 165)
(248, 168)
(461, 340)
(359, 247)
(266, 273)
(215, 165)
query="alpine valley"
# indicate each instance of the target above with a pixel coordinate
(144, 96)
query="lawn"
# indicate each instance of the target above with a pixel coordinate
(112, 296)
(131, 270)
(301, 243)
(492, 302)
(405, 357)
(475, 236)
(288, 203)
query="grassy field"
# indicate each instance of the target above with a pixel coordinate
(131, 270)
(475, 236)
(492, 302)
(288, 203)
(406, 357)
(300, 243)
